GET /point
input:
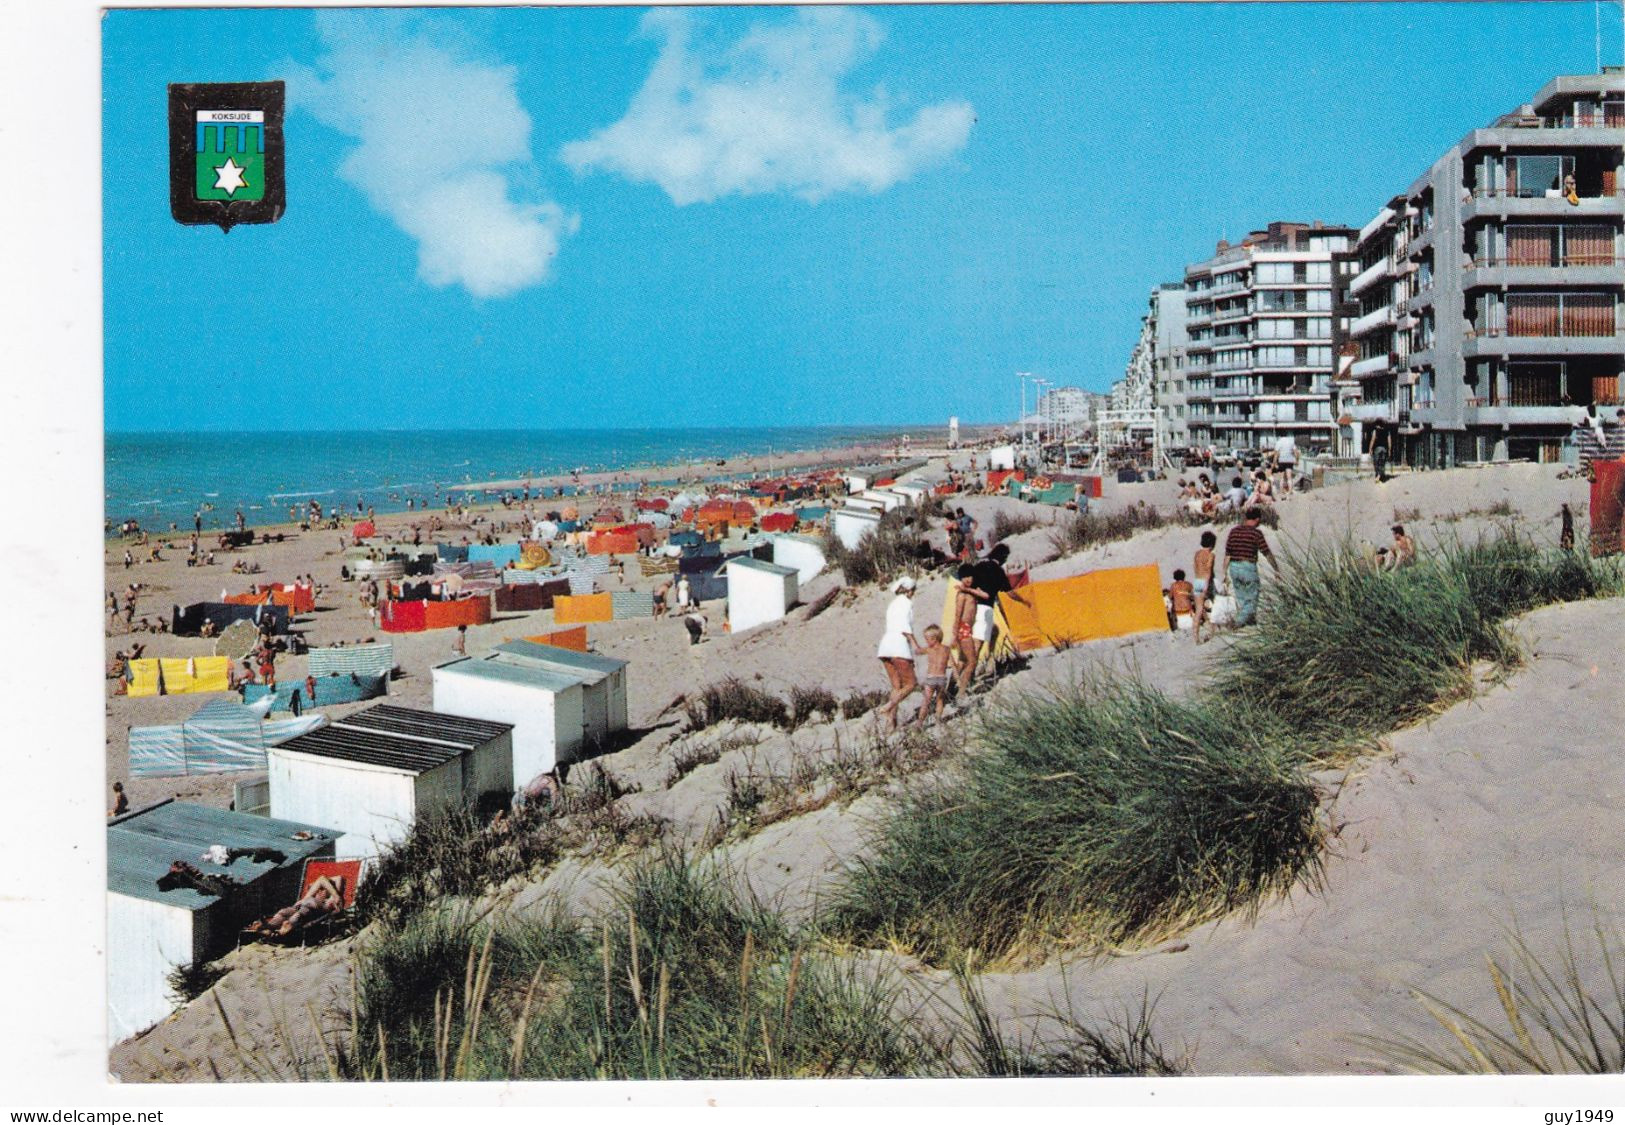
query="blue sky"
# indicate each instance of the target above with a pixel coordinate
(739, 216)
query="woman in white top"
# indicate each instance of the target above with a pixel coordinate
(897, 649)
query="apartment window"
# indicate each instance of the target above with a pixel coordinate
(1277, 357)
(1320, 300)
(1559, 246)
(1274, 273)
(1534, 384)
(1329, 242)
(1320, 328)
(1534, 176)
(1281, 300)
(1560, 314)
(1318, 273)
(1318, 357)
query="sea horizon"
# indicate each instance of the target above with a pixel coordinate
(159, 477)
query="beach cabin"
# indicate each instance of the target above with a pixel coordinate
(151, 931)
(602, 678)
(758, 592)
(373, 773)
(885, 497)
(912, 491)
(1001, 457)
(545, 707)
(850, 525)
(801, 553)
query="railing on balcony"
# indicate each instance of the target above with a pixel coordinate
(1536, 193)
(1581, 259)
(1609, 117)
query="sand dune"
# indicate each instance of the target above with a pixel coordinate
(1505, 809)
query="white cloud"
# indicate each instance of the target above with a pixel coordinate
(438, 137)
(767, 114)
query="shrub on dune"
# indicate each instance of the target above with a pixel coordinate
(1107, 811)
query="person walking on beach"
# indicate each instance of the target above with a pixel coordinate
(937, 655)
(460, 645)
(897, 649)
(988, 581)
(1241, 550)
(121, 803)
(1202, 582)
(1565, 539)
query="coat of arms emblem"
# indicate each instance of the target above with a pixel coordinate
(225, 153)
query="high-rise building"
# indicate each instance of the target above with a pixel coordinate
(1168, 360)
(1258, 324)
(1482, 309)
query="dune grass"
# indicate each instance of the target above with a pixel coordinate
(1106, 812)
(679, 977)
(735, 699)
(1007, 525)
(1555, 1022)
(896, 546)
(1345, 652)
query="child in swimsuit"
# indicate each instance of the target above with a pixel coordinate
(935, 680)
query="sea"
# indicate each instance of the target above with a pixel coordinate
(163, 478)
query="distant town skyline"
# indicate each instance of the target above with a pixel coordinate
(721, 216)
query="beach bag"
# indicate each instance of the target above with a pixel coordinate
(1223, 610)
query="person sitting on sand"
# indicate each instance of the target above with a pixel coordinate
(121, 803)
(935, 680)
(1404, 549)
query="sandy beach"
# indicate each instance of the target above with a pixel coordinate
(1505, 808)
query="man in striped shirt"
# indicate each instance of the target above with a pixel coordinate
(1241, 550)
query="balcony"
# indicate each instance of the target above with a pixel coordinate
(1368, 277)
(1579, 269)
(1375, 411)
(1486, 204)
(1370, 322)
(1234, 391)
(1365, 368)
(1500, 344)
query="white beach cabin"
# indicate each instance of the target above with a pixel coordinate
(151, 931)
(885, 497)
(603, 681)
(850, 525)
(758, 592)
(1001, 457)
(803, 554)
(546, 708)
(373, 773)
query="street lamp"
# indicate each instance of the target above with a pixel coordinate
(1041, 408)
(1023, 376)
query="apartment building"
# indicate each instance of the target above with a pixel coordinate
(1480, 312)
(1259, 347)
(1167, 318)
